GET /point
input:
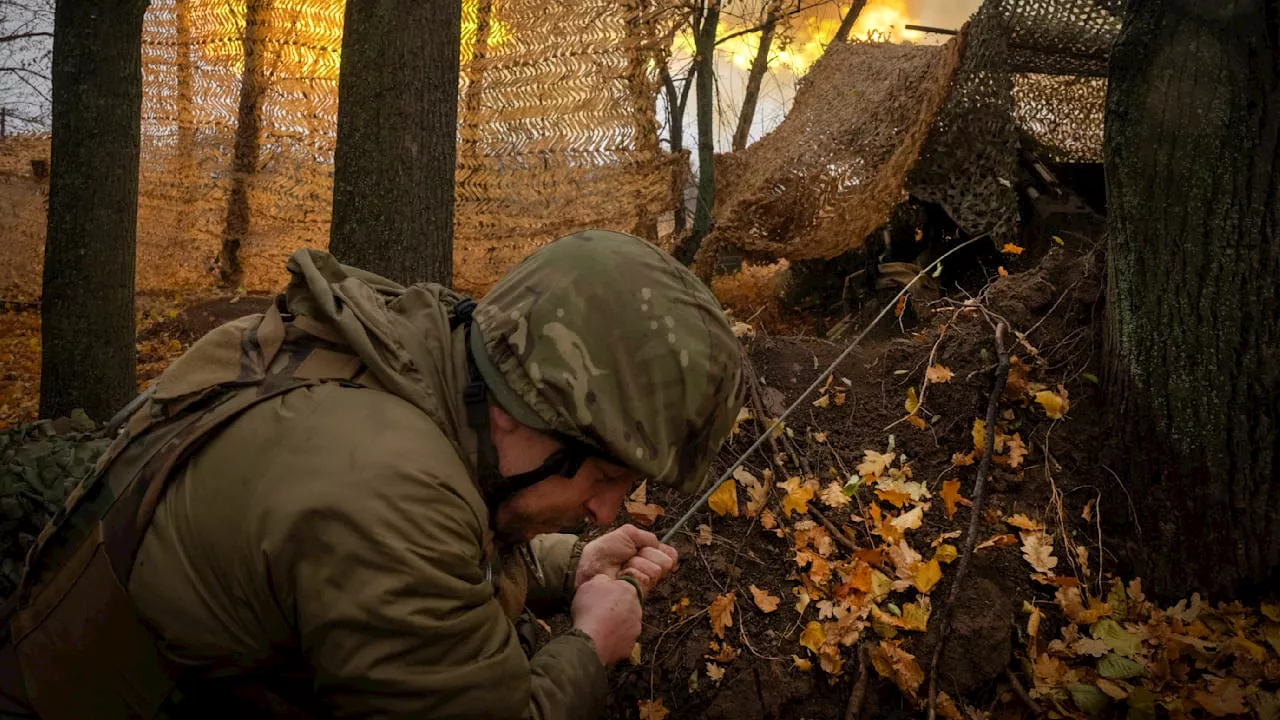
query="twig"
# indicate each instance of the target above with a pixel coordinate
(858, 697)
(993, 406)
(1021, 692)
(836, 532)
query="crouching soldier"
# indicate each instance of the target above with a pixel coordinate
(340, 507)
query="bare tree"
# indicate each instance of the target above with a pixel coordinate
(26, 52)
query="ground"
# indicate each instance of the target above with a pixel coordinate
(815, 583)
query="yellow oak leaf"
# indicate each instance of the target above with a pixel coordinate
(766, 602)
(938, 374)
(950, 496)
(1037, 548)
(813, 636)
(833, 495)
(1069, 599)
(911, 519)
(1022, 522)
(721, 612)
(653, 710)
(798, 496)
(724, 501)
(892, 662)
(927, 575)
(874, 464)
(915, 615)
(945, 553)
(1055, 404)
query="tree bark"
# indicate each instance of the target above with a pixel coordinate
(759, 65)
(850, 18)
(676, 104)
(393, 194)
(1192, 126)
(87, 320)
(244, 160)
(705, 79)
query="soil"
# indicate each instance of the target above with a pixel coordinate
(1054, 303)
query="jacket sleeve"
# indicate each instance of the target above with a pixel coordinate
(558, 554)
(384, 575)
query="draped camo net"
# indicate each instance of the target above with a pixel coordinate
(873, 122)
(556, 129)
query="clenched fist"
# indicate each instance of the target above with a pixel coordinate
(627, 551)
(607, 610)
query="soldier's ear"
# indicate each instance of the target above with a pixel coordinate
(499, 420)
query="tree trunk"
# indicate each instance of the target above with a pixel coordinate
(1192, 124)
(850, 18)
(705, 79)
(676, 103)
(393, 190)
(87, 321)
(758, 67)
(244, 160)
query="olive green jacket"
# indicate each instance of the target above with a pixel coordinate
(336, 533)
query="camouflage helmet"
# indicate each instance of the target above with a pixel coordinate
(605, 338)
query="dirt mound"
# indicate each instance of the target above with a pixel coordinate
(917, 396)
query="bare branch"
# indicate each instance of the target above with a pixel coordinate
(24, 36)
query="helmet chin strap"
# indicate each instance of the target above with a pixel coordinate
(497, 488)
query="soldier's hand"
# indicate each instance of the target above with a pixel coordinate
(627, 551)
(608, 611)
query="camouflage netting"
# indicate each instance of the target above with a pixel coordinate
(40, 464)
(557, 130)
(874, 122)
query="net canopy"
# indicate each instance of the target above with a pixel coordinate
(875, 122)
(557, 129)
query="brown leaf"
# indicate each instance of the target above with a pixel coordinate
(704, 534)
(874, 463)
(892, 662)
(997, 541)
(766, 602)
(950, 496)
(721, 612)
(1037, 549)
(644, 513)
(1011, 249)
(715, 672)
(1225, 697)
(833, 495)
(801, 663)
(653, 710)
(962, 459)
(1022, 522)
(938, 374)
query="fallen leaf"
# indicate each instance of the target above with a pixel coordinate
(802, 599)
(1225, 697)
(644, 513)
(641, 493)
(1017, 451)
(913, 401)
(950, 496)
(680, 606)
(820, 437)
(947, 707)
(979, 433)
(1115, 691)
(1002, 272)
(1055, 404)
(652, 710)
(997, 541)
(1011, 249)
(915, 615)
(945, 553)
(1088, 698)
(1069, 599)
(824, 401)
(1037, 549)
(898, 665)
(938, 373)
(1115, 667)
(830, 660)
(1022, 522)
(757, 492)
(721, 612)
(963, 459)
(798, 496)
(766, 602)
(802, 663)
(724, 501)
(1116, 637)
(874, 464)
(726, 652)
(715, 672)
(635, 654)
(833, 495)
(911, 519)
(917, 422)
(813, 636)
(1092, 647)
(928, 575)
(704, 534)
(767, 520)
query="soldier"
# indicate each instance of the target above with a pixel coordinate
(342, 506)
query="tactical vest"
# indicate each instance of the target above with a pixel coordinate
(76, 647)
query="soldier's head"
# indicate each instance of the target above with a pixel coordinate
(606, 362)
